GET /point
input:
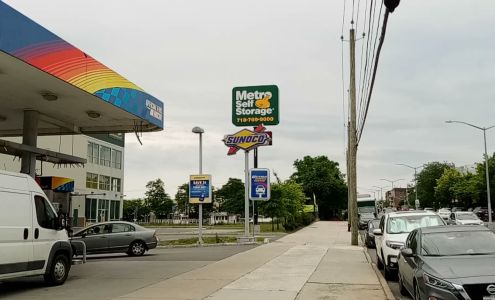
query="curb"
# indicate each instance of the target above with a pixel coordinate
(383, 282)
(210, 245)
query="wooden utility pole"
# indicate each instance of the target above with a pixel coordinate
(353, 143)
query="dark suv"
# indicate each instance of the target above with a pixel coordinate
(482, 213)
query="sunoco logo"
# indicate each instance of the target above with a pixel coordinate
(246, 139)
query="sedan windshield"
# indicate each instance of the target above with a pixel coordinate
(406, 224)
(458, 243)
(467, 216)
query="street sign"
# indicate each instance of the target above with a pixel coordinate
(259, 184)
(200, 189)
(254, 105)
(247, 139)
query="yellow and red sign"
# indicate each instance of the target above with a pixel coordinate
(247, 139)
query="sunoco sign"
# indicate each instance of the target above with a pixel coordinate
(254, 105)
(246, 139)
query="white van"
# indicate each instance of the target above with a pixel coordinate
(32, 242)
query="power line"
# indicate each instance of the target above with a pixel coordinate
(361, 117)
(382, 39)
(363, 85)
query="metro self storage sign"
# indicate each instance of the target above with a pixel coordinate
(255, 105)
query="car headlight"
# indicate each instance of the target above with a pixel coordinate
(438, 283)
(394, 245)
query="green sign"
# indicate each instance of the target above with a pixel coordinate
(254, 105)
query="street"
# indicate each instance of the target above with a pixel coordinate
(110, 276)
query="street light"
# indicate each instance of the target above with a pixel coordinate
(381, 190)
(200, 131)
(416, 202)
(484, 129)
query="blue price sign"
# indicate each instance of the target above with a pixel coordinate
(200, 189)
(259, 184)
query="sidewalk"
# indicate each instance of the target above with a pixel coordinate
(316, 262)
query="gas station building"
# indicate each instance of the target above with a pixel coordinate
(63, 119)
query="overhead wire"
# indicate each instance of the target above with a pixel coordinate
(382, 39)
(371, 21)
(362, 52)
(374, 37)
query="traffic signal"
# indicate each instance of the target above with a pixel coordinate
(391, 4)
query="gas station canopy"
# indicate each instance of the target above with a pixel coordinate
(72, 92)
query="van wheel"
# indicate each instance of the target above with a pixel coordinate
(137, 249)
(59, 270)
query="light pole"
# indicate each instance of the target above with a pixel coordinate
(381, 190)
(416, 202)
(392, 181)
(200, 131)
(484, 129)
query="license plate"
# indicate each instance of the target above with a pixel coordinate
(491, 297)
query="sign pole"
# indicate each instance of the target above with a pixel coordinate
(200, 232)
(255, 204)
(246, 194)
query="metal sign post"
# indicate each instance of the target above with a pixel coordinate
(246, 194)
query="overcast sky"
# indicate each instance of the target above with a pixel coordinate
(437, 64)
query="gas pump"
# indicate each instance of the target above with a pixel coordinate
(58, 190)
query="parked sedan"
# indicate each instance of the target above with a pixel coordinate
(448, 263)
(115, 237)
(370, 236)
(464, 218)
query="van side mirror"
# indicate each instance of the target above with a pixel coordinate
(377, 231)
(407, 252)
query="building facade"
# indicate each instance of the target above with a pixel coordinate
(98, 185)
(397, 197)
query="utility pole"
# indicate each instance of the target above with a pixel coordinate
(353, 142)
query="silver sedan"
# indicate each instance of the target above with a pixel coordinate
(115, 237)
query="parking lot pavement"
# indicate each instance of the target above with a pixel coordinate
(111, 276)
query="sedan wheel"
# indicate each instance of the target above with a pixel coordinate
(137, 249)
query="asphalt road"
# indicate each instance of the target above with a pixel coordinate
(109, 276)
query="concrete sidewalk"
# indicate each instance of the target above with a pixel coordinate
(316, 262)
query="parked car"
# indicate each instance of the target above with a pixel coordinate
(364, 218)
(392, 233)
(464, 218)
(32, 238)
(369, 239)
(444, 213)
(448, 263)
(116, 237)
(482, 213)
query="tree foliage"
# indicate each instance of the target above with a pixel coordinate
(427, 181)
(322, 178)
(135, 209)
(157, 200)
(230, 196)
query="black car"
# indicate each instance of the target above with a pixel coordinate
(369, 239)
(364, 218)
(448, 262)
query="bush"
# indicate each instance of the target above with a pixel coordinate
(300, 220)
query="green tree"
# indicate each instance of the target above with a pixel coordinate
(157, 200)
(427, 181)
(322, 178)
(481, 178)
(182, 198)
(445, 190)
(230, 196)
(135, 209)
